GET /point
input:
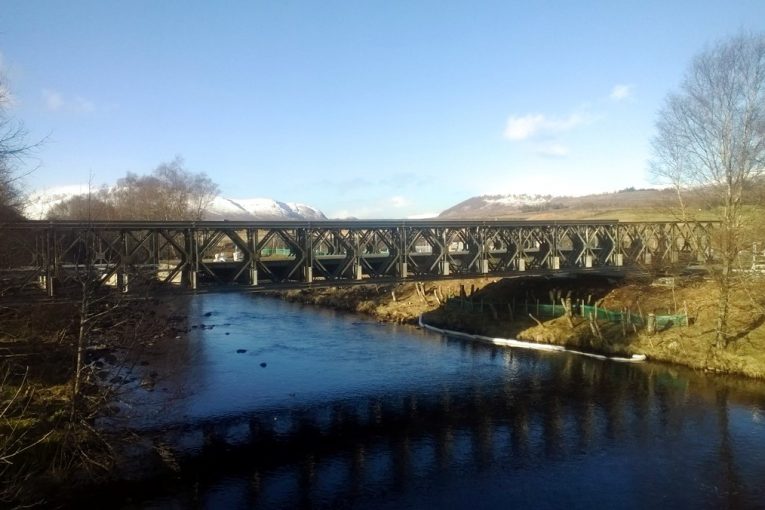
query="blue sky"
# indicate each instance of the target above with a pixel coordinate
(364, 108)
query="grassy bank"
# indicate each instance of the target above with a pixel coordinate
(498, 308)
(48, 441)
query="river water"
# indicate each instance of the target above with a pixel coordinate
(279, 405)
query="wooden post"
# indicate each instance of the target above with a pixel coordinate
(594, 326)
(568, 311)
(651, 324)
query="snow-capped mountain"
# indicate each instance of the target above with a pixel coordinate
(40, 202)
(260, 209)
(495, 205)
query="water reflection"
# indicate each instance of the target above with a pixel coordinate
(403, 419)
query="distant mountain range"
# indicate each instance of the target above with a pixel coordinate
(628, 204)
(40, 202)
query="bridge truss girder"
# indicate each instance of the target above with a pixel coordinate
(130, 255)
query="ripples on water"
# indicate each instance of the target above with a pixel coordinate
(350, 413)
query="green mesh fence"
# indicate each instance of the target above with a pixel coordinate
(549, 311)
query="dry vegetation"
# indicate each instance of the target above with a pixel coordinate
(47, 435)
(690, 345)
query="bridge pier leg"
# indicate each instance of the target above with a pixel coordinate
(358, 271)
(308, 274)
(647, 258)
(555, 262)
(484, 266)
(588, 261)
(253, 276)
(521, 264)
(445, 268)
(46, 283)
(402, 271)
(122, 282)
(618, 260)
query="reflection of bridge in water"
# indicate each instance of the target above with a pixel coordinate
(552, 410)
(262, 254)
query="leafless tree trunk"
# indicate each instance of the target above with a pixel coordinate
(13, 147)
(711, 142)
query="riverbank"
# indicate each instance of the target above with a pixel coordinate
(49, 443)
(490, 307)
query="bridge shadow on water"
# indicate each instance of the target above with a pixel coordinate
(566, 431)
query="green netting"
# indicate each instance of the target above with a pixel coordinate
(547, 311)
(269, 252)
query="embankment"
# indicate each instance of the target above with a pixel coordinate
(512, 308)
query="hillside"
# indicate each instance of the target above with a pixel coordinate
(646, 204)
(624, 205)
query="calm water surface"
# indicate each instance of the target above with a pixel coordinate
(287, 406)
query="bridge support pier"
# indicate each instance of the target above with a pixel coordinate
(521, 264)
(46, 283)
(445, 268)
(122, 282)
(358, 272)
(588, 261)
(308, 274)
(484, 266)
(253, 277)
(618, 260)
(402, 273)
(554, 262)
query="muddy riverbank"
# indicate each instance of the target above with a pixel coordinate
(513, 308)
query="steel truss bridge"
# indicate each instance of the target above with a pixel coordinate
(49, 257)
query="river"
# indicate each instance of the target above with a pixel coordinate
(278, 405)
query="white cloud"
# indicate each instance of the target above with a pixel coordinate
(398, 201)
(56, 102)
(553, 150)
(422, 216)
(83, 105)
(621, 92)
(531, 125)
(52, 99)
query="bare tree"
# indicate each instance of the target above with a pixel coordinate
(13, 146)
(170, 192)
(88, 206)
(711, 142)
